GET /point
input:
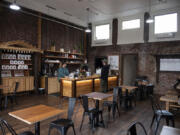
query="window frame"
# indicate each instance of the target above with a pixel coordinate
(162, 15)
(106, 42)
(131, 28)
(94, 37)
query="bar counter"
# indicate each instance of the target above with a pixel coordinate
(76, 87)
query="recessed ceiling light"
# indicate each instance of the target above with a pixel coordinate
(14, 6)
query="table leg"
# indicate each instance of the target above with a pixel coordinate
(37, 128)
(99, 123)
(97, 108)
(6, 102)
(167, 106)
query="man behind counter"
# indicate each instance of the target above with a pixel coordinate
(104, 76)
(62, 71)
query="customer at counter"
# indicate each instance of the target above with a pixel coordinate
(104, 76)
(62, 71)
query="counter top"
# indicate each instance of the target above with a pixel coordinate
(85, 78)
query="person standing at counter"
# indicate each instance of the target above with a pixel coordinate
(104, 76)
(62, 71)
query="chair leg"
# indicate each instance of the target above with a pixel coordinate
(157, 126)
(173, 123)
(118, 110)
(2, 129)
(82, 120)
(74, 129)
(152, 121)
(109, 110)
(167, 121)
(114, 110)
(50, 128)
(6, 102)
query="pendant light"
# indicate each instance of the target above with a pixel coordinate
(150, 19)
(87, 30)
(14, 6)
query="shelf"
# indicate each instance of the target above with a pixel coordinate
(49, 51)
(17, 64)
(66, 63)
(17, 59)
(74, 63)
(58, 57)
(15, 69)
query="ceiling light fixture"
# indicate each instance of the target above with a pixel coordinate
(87, 30)
(150, 19)
(14, 6)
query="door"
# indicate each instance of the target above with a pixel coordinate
(129, 66)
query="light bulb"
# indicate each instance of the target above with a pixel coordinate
(14, 7)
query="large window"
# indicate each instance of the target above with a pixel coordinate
(131, 24)
(166, 23)
(102, 32)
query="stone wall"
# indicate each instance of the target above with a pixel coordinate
(146, 60)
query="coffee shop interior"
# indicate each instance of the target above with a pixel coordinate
(90, 67)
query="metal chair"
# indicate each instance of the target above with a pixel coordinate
(113, 104)
(62, 125)
(127, 98)
(12, 96)
(91, 112)
(159, 114)
(133, 131)
(4, 124)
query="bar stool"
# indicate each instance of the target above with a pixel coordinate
(41, 91)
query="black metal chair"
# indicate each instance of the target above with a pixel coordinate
(132, 130)
(12, 96)
(4, 125)
(141, 92)
(127, 98)
(62, 125)
(160, 114)
(150, 89)
(113, 104)
(91, 112)
(1, 99)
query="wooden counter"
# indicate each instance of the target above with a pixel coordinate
(25, 84)
(51, 84)
(77, 87)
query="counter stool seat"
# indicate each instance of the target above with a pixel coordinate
(41, 90)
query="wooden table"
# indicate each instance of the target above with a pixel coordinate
(171, 101)
(129, 88)
(35, 114)
(170, 131)
(98, 96)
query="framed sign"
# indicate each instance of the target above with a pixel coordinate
(170, 64)
(113, 61)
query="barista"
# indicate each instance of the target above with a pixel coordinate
(62, 71)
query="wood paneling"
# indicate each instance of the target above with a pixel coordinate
(83, 87)
(25, 84)
(17, 26)
(112, 82)
(67, 88)
(53, 85)
(97, 85)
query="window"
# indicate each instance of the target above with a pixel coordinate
(132, 24)
(170, 64)
(166, 23)
(102, 32)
